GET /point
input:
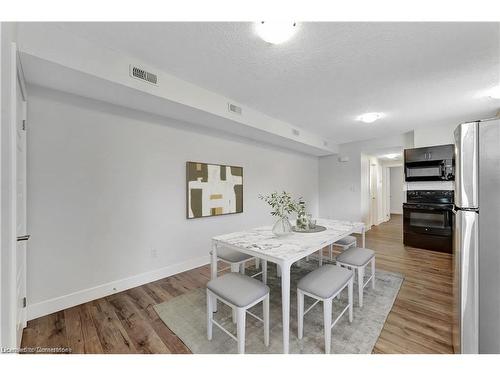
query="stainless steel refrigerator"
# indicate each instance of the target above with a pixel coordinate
(476, 261)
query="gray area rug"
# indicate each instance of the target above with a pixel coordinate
(185, 315)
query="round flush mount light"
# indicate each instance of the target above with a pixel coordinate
(493, 93)
(392, 156)
(370, 117)
(275, 32)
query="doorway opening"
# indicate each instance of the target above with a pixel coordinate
(382, 194)
(396, 190)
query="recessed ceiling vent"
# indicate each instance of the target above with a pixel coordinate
(296, 132)
(233, 108)
(143, 75)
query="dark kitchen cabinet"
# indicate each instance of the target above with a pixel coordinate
(443, 152)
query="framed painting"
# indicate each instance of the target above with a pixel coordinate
(213, 189)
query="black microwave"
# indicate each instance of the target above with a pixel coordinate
(430, 163)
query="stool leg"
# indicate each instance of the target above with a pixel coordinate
(235, 316)
(209, 315)
(278, 271)
(321, 257)
(327, 321)
(242, 268)
(331, 252)
(264, 271)
(214, 300)
(373, 272)
(300, 314)
(350, 288)
(265, 308)
(257, 263)
(235, 267)
(361, 279)
(240, 329)
(307, 258)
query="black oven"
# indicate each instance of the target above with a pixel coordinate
(428, 219)
(430, 163)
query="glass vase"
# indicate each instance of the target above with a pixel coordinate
(282, 227)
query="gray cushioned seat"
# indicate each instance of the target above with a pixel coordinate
(232, 256)
(356, 256)
(347, 240)
(238, 289)
(325, 281)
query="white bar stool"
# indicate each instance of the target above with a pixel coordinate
(240, 292)
(357, 258)
(344, 244)
(237, 261)
(324, 284)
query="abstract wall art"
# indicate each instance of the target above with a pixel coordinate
(213, 189)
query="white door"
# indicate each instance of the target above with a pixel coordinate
(20, 254)
(397, 192)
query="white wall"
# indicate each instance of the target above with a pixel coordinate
(434, 135)
(396, 190)
(343, 186)
(107, 185)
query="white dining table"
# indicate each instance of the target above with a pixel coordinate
(284, 251)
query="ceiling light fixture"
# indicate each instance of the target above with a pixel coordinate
(370, 117)
(493, 93)
(391, 156)
(276, 32)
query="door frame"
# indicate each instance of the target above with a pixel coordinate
(372, 192)
(8, 332)
(19, 76)
(386, 188)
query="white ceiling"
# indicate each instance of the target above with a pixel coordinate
(395, 152)
(419, 74)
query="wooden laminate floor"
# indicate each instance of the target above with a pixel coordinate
(420, 320)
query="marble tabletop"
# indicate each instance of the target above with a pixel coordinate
(294, 246)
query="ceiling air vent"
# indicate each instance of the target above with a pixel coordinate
(234, 108)
(143, 75)
(325, 143)
(295, 132)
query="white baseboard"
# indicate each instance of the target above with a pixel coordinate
(73, 299)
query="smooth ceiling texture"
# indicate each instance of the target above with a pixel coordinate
(419, 74)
